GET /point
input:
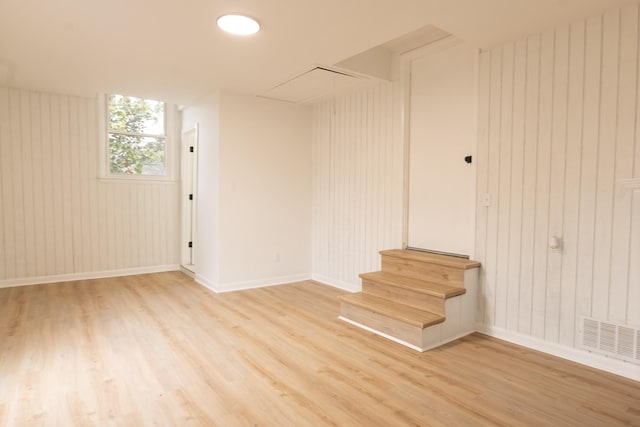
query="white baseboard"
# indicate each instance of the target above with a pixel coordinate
(604, 363)
(201, 280)
(250, 284)
(187, 271)
(27, 281)
(337, 283)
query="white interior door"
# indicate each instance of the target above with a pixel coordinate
(188, 174)
(442, 133)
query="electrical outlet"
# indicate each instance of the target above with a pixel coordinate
(486, 199)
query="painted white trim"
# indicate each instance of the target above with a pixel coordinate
(40, 280)
(189, 165)
(345, 286)
(188, 272)
(251, 284)
(205, 282)
(604, 363)
(382, 334)
(405, 67)
(137, 179)
(171, 151)
(261, 283)
(629, 184)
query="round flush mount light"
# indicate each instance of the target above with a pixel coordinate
(238, 24)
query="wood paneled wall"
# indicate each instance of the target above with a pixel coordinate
(558, 127)
(357, 183)
(56, 217)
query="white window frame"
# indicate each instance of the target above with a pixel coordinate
(104, 172)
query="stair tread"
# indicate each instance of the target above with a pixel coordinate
(438, 259)
(417, 285)
(405, 313)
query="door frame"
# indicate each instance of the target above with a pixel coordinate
(188, 228)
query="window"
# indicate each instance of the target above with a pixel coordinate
(136, 137)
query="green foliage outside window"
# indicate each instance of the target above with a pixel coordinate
(136, 136)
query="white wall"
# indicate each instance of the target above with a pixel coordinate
(357, 183)
(265, 191)
(253, 192)
(558, 127)
(57, 220)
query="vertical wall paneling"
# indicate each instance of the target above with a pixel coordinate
(57, 205)
(36, 196)
(607, 141)
(516, 184)
(83, 163)
(504, 184)
(16, 179)
(27, 188)
(633, 292)
(66, 209)
(75, 157)
(558, 127)
(133, 251)
(6, 217)
(542, 185)
(624, 151)
(46, 152)
(493, 160)
(357, 183)
(532, 108)
(556, 187)
(112, 210)
(484, 90)
(633, 295)
(56, 216)
(572, 183)
(92, 200)
(633, 314)
(589, 165)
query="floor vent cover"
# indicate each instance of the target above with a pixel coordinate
(619, 341)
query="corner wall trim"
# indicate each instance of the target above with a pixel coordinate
(604, 363)
(205, 282)
(41, 280)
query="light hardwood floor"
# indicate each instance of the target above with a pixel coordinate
(159, 349)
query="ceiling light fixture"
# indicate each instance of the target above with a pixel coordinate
(238, 24)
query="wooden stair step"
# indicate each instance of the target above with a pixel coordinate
(430, 288)
(427, 257)
(404, 313)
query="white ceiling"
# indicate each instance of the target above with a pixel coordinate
(172, 50)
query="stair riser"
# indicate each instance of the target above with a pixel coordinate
(460, 321)
(424, 271)
(395, 328)
(404, 296)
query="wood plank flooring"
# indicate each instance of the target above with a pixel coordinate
(161, 350)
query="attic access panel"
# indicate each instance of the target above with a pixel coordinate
(313, 85)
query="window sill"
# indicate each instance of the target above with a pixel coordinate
(138, 180)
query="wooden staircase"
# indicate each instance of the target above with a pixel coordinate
(419, 299)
